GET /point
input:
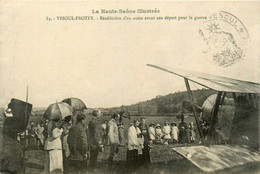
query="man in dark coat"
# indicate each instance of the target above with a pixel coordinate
(95, 138)
(77, 140)
(145, 157)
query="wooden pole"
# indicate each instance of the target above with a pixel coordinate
(251, 100)
(234, 96)
(194, 109)
(214, 116)
(223, 98)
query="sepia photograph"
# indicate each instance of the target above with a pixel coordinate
(129, 87)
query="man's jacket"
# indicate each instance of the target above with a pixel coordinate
(145, 132)
(77, 140)
(94, 129)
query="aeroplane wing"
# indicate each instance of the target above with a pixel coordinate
(216, 83)
(218, 157)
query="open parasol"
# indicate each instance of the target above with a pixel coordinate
(58, 110)
(75, 103)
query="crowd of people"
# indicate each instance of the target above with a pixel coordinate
(33, 137)
(171, 133)
(74, 146)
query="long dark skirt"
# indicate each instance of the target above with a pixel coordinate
(145, 157)
(132, 159)
(32, 143)
(183, 137)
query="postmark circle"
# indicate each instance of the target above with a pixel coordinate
(225, 38)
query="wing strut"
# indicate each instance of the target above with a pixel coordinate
(214, 116)
(194, 109)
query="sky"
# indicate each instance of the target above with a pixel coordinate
(104, 62)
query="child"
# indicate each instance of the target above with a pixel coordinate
(158, 134)
(192, 132)
(174, 132)
(152, 132)
(166, 132)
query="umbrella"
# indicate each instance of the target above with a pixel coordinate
(75, 103)
(58, 110)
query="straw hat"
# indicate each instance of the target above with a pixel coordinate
(173, 123)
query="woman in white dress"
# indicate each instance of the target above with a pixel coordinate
(158, 134)
(166, 131)
(152, 132)
(53, 147)
(174, 132)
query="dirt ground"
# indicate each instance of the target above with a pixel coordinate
(161, 157)
(164, 160)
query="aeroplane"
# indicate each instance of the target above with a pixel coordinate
(232, 116)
